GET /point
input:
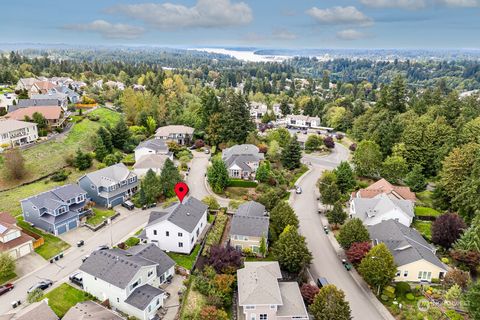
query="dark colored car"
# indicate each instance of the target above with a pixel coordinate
(128, 204)
(77, 279)
(102, 247)
(322, 282)
(5, 288)
(80, 243)
(44, 284)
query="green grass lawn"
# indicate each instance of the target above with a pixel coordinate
(62, 298)
(99, 215)
(425, 212)
(52, 246)
(425, 199)
(4, 278)
(424, 228)
(49, 157)
(184, 260)
(211, 218)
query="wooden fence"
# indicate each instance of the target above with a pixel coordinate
(38, 238)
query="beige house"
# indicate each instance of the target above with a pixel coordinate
(415, 258)
(17, 133)
(12, 240)
(249, 225)
(262, 296)
(180, 134)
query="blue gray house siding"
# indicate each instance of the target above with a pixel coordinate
(113, 199)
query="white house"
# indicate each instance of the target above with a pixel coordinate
(129, 279)
(302, 122)
(375, 210)
(17, 133)
(178, 227)
(242, 161)
(152, 146)
(152, 162)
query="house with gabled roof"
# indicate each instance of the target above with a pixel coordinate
(242, 161)
(375, 210)
(58, 210)
(249, 225)
(25, 84)
(38, 310)
(383, 186)
(90, 310)
(180, 134)
(128, 279)
(262, 294)
(177, 227)
(13, 240)
(152, 146)
(414, 256)
(110, 186)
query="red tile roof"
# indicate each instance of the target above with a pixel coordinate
(383, 186)
(49, 112)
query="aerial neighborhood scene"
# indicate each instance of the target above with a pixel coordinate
(240, 159)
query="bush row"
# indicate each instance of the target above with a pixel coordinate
(215, 234)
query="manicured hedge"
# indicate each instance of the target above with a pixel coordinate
(241, 183)
(214, 236)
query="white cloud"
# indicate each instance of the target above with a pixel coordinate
(109, 30)
(461, 3)
(205, 14)
(340, 15)
(350, 34)
(403, 4)
(283, 34)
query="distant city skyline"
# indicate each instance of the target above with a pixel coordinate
(275, 24)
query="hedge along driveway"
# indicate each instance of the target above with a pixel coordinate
(49, 157)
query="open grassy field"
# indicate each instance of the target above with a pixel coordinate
(46, 158)
(62, 298)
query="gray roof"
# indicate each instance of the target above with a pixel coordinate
(110, 176)
(7, 125)
(56, 95)
(89, 310)
(115, 266)
(242, 160)
(23, 103)
(142, 296)
(151, 161)
(185, 215)
(241, 149)
(249, 226)
(293, 305)
(153, 253)
(54, 198)
(166, 131)
(406, 244)
(252, 209)
(258, 283)
(379, 205)
(158, 145)
(38, 311)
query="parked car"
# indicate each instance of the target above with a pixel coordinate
(42, 285)
(207, 151)
(5, 288)
(148, 206)
(128, 204)
(80, 243)
(102, 247)
(77, 278)
(348, 266)
(322, 282)
(298, 190)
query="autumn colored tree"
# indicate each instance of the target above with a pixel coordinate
(224, 259)
(458, 277)
(309, 292)
(213, 313)
(357, 251)
(446, 229)
(14, 164)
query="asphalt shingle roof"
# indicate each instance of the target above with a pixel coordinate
(258, 283)
(153, 253)
(185, 215)
(157, 145)
(52, 199)
(380, 205)
(249, 226)
(406, 244)
(142, 296)
(251, 209)
(110, 176)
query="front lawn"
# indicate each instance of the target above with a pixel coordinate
(62, 298)
(47, 158)
(426, 212)
(52, 246)
(183, 260)
(425, 198)
(424, 227)
(99, 215)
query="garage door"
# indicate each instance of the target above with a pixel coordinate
(72, 225)
(62, 229)
(24, 250)
(116, 201)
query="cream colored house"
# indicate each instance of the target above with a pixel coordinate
(261, 296)
(249, 225)
(415, 258)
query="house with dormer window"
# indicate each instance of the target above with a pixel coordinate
(110, 186)
(58, 210)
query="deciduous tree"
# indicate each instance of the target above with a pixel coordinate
(394, 169)
(458, 277)
(357, 251)
(329, 190)
(345, 177)
(367, 159)
(472, 300)
(446, 229)
(308, 292)
(337, 215)
(329, 304)
(378, 267)
(291, 251)
(14, 164)
(352, 231)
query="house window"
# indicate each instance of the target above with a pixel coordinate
(135, 284)
(167, 233)
(158, 302)
(180, 234)
(255, 249)
(198, 231)
(398, 273)
(150, 274)
(180, 244)
(92, 186)
(61, 210)
(424, 275)
(253, 316)
(191, 241)
(249, 307)
(118, 299)
(263, 316)
(154, 232)
(405, 274)
(149, 308)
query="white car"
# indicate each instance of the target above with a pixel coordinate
(298, 190)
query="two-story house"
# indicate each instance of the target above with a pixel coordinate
(298, 121)
(12, 240)
(128, 279)
(262, 296)
(25, 84)
(152, 146)
(242, 161)
(249, 226)
(17, 133)
(63, 90)
(110, 186)
(182, 135)
(383, 186)
(54, 115)
(58, 210)
(375, 210)
(60, 97)
(178, 227)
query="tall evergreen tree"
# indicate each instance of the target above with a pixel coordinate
(292, 154)
(169, 178)
(236, 120)
(99, 148)
(106, 137)
(328, 188)
(281, 216)
(120, 134)
(217, 175)
(151, 187)
(345, 177)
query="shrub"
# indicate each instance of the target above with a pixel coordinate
(309, 292)
(35, 295)
(410, 296)
(453, 315)
(224, 259)
(211, 202)
(328, 142)
(353, 147)
(215, 234)
(248, 252)
(199, 143)
(61, 175)
(212, 313)
(402, 288)
(357, 251)
(457, 276)
(93, 117)
(384, 297)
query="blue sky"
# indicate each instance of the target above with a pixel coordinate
(259, 23)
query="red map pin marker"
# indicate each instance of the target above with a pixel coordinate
(181, 189)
